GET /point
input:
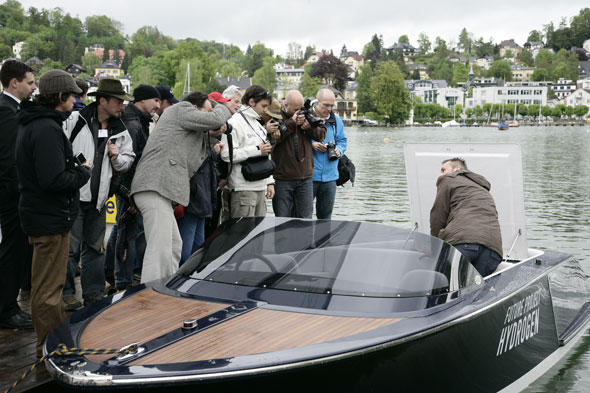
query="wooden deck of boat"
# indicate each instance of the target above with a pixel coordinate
(257, 331)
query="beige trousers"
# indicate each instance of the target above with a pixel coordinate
(163, 241)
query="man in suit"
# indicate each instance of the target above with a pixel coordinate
(19, 84)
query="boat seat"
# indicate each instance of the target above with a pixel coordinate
(503, 266)
(423, 281)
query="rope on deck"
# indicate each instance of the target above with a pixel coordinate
(63, 350)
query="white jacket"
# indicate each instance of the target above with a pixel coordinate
(84, 143)
(245, 137)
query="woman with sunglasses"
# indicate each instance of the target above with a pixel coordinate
(249, 139)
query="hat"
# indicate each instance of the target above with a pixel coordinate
(145, 92)
(166, 94)
(274, 109)
(113, 88)
(57, 81)
(216, 96)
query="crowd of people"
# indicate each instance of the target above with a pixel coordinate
(177, 169)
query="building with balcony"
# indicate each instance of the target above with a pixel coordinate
(435, 92)
(577, 97)
(563, 88)
(513, 93)
(522, 73)
(109, 69)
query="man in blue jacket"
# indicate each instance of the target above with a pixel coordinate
(325, 171)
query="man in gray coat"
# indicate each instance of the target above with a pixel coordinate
(175, 150)
(464, 215)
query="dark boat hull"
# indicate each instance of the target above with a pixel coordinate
(491, 339)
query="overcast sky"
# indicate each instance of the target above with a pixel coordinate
(326, 24)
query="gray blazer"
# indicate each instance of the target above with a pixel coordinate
(175, 149)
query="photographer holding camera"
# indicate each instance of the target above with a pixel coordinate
(293, 157)
(326, 155)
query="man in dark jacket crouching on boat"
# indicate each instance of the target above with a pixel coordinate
(49, 178)
(464, 215)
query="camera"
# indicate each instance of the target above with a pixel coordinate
(313, 121)
(332, 155)
(282, 126)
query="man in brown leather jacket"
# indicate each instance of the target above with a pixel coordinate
(464, 215)
(293, 157)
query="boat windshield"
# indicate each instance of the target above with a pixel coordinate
(331, 257)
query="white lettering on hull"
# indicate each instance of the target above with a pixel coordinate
(521, 322)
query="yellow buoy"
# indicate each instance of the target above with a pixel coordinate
(385, 140)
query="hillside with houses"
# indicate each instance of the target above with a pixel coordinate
(388, 80)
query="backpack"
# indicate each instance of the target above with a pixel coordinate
(346, 171)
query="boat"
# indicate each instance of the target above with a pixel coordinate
(502, 126)
(450, 123)
(292, 304)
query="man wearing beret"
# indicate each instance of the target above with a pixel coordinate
(98, 132)
(49, 178)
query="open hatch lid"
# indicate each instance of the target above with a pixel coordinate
(499, 163)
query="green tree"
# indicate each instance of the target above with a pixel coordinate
(581, 110)
(403, 39)
(540, 74)
(544, 60)
(103, 30)
(460, 73)
(501, 69)
(365, 94)
(424, 44)
(484, 48)
(443, 71)
(90, 61)
(5, 51)
(533, 110)
(525, 57)
(254, 57)
(465, 41)
(547, 111)
(535, 36)
(309, 86)
(569, 111)
(147, 40)
(266, 75)
(149, 71)
(508, 54)
(523, 110)
(478, 111)
(392, 97)
(308, 51)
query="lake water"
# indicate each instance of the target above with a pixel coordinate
(556, 164)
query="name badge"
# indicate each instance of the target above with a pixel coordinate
(103, 133)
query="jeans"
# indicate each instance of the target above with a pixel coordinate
(123, 271)
(86, 239)
(192, 232)
(324, 193)
(482, 258)
(293, 198)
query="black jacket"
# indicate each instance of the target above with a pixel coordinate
(49, 179)
(138, 124)
(8, 130)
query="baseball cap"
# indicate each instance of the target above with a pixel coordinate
(166, 94)
(216, 96)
